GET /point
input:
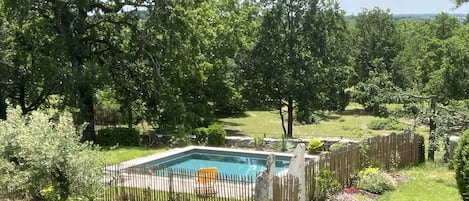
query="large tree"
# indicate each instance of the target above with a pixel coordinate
(86, 31)
(32, 74)
(184, 73)
(378, 43)
(300, 58)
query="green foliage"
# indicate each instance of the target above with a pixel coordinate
(338, 146)
(326, 185)
(375, 92)
(179, 140)
(461, 164)
(283, 145)
(286, 144)
(118, 136)
(201, 135)
(378, 42)
(259, 142)
(368, 171)
(107, 107)
(297, 57)
(375, 181)
(42, 157)
(314, 145)
(216, 135)
(364, 148)
(460, 2)
(386, 124)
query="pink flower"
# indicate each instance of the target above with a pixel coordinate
(351, 190)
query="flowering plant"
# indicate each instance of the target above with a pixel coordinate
(351, 190)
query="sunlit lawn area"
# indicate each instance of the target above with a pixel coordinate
(121, 154)
(352, 123)
(429, 182)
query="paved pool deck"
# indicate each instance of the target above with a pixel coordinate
(121, 176)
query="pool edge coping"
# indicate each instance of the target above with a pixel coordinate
(160, 155)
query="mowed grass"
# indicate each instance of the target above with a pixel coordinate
(429, 182)
(352, 123)
(121, 154)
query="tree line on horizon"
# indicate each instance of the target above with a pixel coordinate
(182, 63)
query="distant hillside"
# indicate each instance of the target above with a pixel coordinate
(461, 17)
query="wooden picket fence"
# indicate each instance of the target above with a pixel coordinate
(387, 151)
(179, 185)
(152, 183)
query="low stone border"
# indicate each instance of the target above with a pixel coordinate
(249, 142)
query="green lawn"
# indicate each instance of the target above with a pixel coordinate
(121, 154)
(352, 123)
(429, 182)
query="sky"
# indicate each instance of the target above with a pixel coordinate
(404, 6)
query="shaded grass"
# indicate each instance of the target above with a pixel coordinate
(430, 181)
(124, 153)
(351, 123)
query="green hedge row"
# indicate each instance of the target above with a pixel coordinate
(121, 136)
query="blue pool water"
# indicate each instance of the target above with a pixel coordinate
(245, 164)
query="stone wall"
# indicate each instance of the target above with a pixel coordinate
(271, 143)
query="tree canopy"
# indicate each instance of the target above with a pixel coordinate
(177, 65)
(301, 51)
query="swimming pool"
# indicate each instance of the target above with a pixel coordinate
(227, 161)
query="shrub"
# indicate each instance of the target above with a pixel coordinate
(201, 135)
(386, 124)
(338, 146)
(179, 140)
(283, 145)
(121, 136)
(326, 185)
(259, 142)
(314, 146)
(364, 148)
(461, 164)
(41, 159)
(216, 135)
(375, 181)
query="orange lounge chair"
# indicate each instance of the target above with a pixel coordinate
(206, 178)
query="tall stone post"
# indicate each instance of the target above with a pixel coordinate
(297, 170)
(265, 181)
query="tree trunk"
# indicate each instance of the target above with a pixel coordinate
(22, 95)
(87, 112)
(290, 117)
(282, 118)
(85, 100)
(130, 117)
(3, 106)
(432, 137)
